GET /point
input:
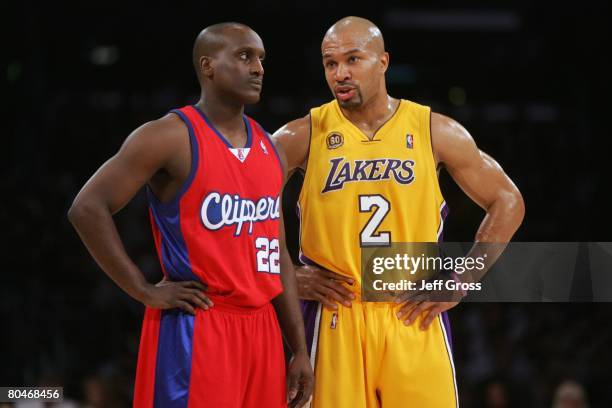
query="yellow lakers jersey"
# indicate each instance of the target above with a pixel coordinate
(360, 193)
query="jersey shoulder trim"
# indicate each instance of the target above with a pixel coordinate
(194, 146)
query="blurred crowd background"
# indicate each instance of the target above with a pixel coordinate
(530, 81)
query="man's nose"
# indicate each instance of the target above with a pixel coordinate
(342, 73)
(257, 67)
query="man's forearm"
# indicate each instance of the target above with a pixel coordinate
(503, 218)
(497, 228)
(94, 224)
(288, 309)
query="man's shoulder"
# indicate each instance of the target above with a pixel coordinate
(295, 128)
(414, 105)
(331, 105)
(168, 127)
(165, 134)
(170, 123)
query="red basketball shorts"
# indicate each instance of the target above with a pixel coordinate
(224, 358)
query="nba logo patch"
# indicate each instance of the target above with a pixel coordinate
(334, 320)
(241, 153)
(409, 141)
(263, 147)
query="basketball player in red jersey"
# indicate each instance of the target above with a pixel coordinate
(210, 336)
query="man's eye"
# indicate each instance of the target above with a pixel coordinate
(353, 59)
(244, 56)
(330, 64)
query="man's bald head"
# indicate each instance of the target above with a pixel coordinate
(227, 58)
(355, 62)
(362, 32)
(213, 38)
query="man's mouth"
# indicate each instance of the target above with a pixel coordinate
(256, 83)
(344, 93)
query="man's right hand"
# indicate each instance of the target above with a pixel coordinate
(315, 283)
(183, 295)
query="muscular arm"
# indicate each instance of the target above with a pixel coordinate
(151, 148)
(286, 305)
(485, 182)
(480, 177)
(300, 378)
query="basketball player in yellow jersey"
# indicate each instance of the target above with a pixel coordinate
(370, 164)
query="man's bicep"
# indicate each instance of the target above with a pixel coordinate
(483, 180)
(117, 181)
(477, 173)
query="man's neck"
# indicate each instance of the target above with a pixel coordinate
(226, 118)
(372, 115)
(220, 113)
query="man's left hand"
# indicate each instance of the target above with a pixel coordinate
(412, 309)
(300, 380)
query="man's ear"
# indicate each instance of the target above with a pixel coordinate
(206, 66)
(384, 61)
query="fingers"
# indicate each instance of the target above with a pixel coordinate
(337, 292)
(325, 300)
(305, 394)
(411, 310)
(324, 286)
(196, 297)
(185, 306)
(202, 297)
(335, 276)
(299, 389)
(194, 284)
(292, 387)
(344, 295)
(329, 283)
(301, 401)
(432, 314)
(193, 293)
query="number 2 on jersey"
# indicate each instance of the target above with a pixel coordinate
(368, 236)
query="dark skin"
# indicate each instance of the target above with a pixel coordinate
(228, 61)
(355, 62)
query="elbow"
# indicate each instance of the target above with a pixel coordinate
(518, 204)
(78, 211)
(74, 212)
(514, 207)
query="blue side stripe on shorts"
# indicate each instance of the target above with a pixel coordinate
(174, 351)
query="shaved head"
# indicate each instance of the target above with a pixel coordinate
(355, 62)
(227, 58)
(362, 32)
(212, 39)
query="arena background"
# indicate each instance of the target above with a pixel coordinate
(531, 82)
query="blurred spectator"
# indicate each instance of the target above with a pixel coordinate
(496, 395)
(570, 394)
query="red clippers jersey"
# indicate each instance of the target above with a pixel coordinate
(222, 227)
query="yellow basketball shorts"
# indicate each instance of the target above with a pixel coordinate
(365, 357)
